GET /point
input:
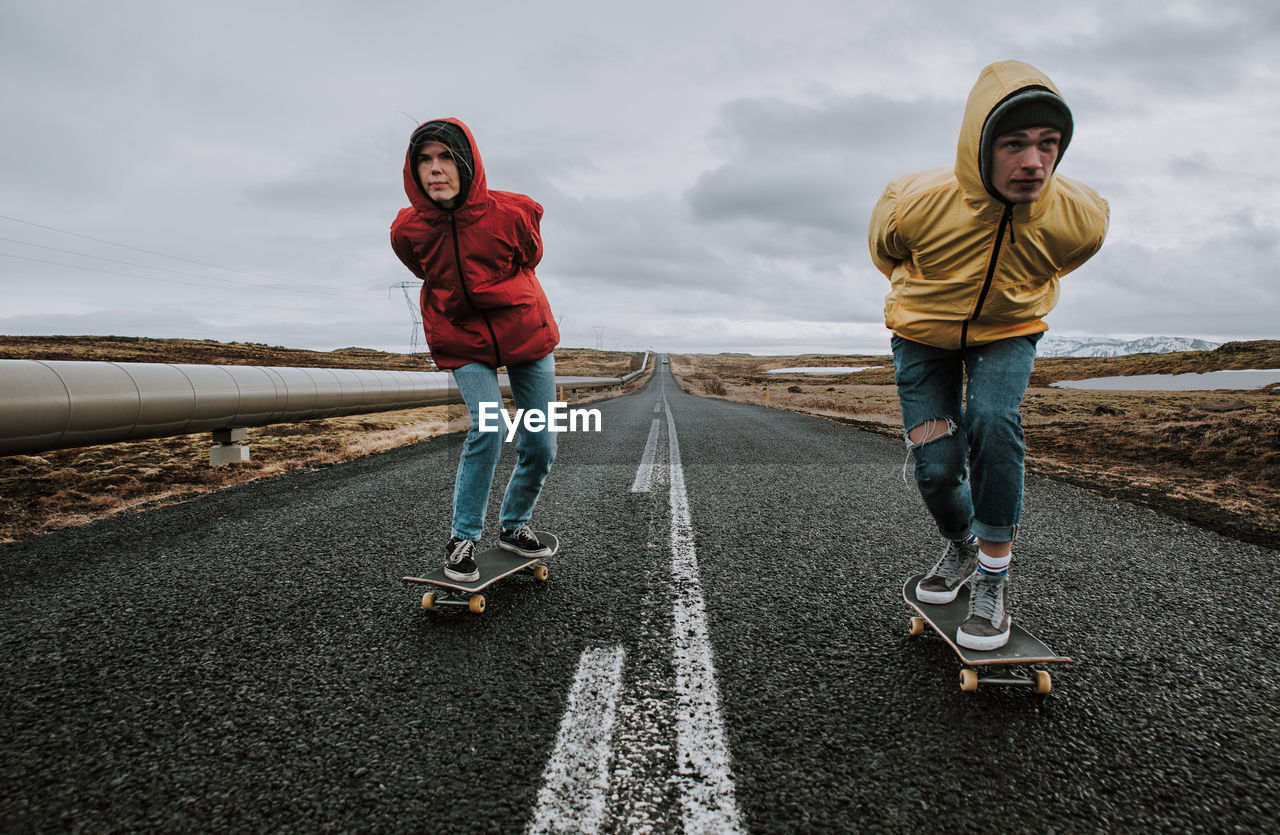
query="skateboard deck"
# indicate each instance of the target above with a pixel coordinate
(1015, 663)
(493, 564)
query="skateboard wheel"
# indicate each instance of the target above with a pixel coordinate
(540, 573)
(429, 600)
(968, 680)
(1044, 682)
(917, 627)
(476, 603)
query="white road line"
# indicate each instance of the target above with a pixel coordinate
(576, 779)
(576, 782)
(644, 473)
(708, 801)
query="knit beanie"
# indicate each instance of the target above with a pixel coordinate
(1031, 107)
(452, 137)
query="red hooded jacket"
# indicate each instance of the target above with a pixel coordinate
(481, 301)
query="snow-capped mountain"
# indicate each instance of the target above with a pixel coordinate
(1095, 346)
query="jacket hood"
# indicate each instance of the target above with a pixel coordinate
(477, 193)
(996, 84)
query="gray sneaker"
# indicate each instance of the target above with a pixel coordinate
(987, 626)
(943, 582)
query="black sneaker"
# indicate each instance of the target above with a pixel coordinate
(522, 541)
(988, 624)
(460, 561)
(943, 582)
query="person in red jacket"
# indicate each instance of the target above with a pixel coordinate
(475, 250)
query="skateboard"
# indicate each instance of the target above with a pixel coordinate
(493, 565)
(1015, 663)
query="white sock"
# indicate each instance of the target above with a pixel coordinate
(988, 564)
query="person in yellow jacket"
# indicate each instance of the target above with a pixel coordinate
(974, 255)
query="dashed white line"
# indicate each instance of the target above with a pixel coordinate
(644, 473)
(576, 778)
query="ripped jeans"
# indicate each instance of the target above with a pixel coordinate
(971, 476)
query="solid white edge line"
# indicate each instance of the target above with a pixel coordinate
(708, 802)
(576, 779)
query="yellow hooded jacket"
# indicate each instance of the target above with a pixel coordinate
(966, 267)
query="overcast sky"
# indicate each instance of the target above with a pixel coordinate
(707, 168)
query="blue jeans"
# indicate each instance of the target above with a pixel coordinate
(533, 386)
(971, 476)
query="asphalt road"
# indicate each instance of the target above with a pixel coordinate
(726, 649)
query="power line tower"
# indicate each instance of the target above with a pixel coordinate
(416, 337)
(599, 337)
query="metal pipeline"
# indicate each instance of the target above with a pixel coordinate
(48, 404)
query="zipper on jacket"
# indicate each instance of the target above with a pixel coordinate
(462, 279)
(1006, 219)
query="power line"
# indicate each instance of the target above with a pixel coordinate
(310, 291)
(114, 261)
(96, 270)
(291, 307)
(136, 249)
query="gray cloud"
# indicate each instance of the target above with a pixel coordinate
(706, 183)
(813, 166)
(342, 185)
(1206, 50)
(636, 246)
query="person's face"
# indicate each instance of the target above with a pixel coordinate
(438, 174)
(1022, 161)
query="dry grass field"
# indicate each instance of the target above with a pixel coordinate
(1212, 458)
(59, 488)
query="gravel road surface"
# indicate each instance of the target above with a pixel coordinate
(721, 645)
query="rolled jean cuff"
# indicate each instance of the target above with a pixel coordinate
(995, 533)
(957, 536)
